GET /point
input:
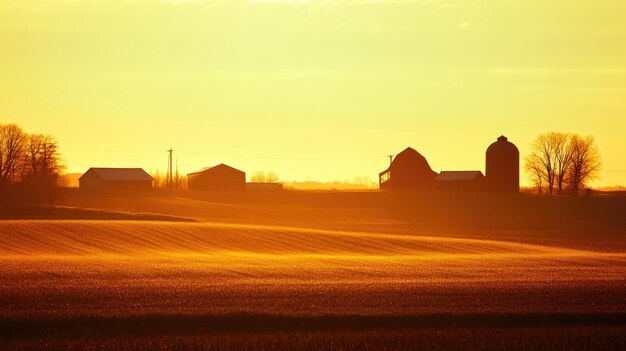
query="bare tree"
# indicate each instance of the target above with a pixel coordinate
(32, 160)
(12, 139)
(41, 159)
(34, 147)
(562, 161)
(42, 171)
(585, 164)
(543, 155)
(272, 177)
(258, 177)
(534, 167)
(264, 177)
(562, 148)
(159, 179)
(50, 162)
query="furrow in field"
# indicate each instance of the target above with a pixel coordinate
(141, 238)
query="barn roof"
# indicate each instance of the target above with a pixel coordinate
(221, 165)
(458, 175)
(408, 155)
(119, 174)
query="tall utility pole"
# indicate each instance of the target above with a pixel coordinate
(169, 166)
(390, 159)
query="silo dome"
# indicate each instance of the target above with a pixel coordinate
(503, 166)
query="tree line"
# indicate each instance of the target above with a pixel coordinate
(562, 163)
(30, 163)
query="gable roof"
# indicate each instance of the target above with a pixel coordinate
(221, 165)
(119, 174)
(458, 175)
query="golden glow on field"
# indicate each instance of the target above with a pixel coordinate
(132, 239)
(117, 268)
(310, 84)
(273, 254)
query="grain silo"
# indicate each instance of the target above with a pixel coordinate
(503, 166)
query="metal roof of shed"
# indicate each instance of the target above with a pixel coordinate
(221, 165)
(458, 175)
(120, 174)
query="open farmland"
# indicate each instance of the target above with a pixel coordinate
(72, 282)
(316, 270)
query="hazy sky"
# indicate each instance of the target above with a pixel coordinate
(324, 89)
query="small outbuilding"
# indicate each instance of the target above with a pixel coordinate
(220, 177)
(115, 179)
(409, 170)
(460, 181)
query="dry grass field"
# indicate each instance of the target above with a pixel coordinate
(313, 271)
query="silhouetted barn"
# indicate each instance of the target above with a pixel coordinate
(460, 181)
(220, 177)
(503, 166)
(115, 178)
(409, 170)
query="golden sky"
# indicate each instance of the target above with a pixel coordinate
(312, 89)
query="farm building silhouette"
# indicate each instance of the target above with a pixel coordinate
(409, 170)
(115, 179)
(220, 177)
(502, 166)
(460, 181)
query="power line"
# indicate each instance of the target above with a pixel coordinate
(283, 158)
(114, 151)
(262, 157)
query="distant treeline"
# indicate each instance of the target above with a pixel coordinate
(359, 183)
(30, 166)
